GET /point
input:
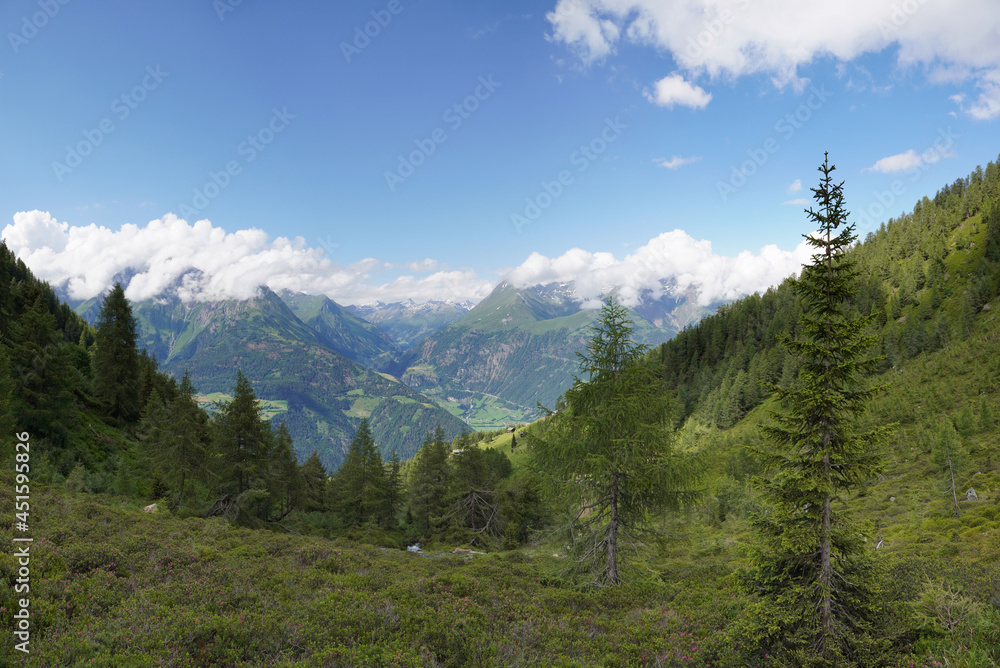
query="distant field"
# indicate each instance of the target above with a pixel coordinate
(269, 408)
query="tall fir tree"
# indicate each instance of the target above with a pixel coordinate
(612, 448)
(116, 360)
(816, 586)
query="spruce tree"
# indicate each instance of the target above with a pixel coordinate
(612, 448)
(816, 592)
(949, 457)
(43, 376)
(986, 419)
(286, 481)
(393, 489)
(6, 392)
(361, 480)
(430, 479)
(183, 453)
(116, 360)
(314, 483)
(242, 438)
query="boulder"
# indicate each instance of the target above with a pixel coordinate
(971, 495)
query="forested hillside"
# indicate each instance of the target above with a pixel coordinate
(924, 277)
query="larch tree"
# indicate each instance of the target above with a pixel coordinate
(116, 360)
(816, 586)
(611, 449)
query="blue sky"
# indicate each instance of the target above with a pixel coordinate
(532, 128)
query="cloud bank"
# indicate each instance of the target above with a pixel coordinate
(692, 265)
(955, 42)
(201, 262)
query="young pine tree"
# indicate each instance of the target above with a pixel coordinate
(986, 419)
(816, 591)
(116, 360)
(949, 457)
(611, 449)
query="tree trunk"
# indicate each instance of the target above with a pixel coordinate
(180, 492)
(826, 572)
(951, 470)
(612, 568)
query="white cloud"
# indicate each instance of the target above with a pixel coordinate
(795, 186)
(676, 162)
(910, 160)
(987, 106)
(423, 266)
(796, 202)
(896, 163)
(947, 42)
(690, 263)
(201, 262)
(675, 90)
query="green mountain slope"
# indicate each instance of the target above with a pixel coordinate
(287, 361)
(342, 331)
(516, 348)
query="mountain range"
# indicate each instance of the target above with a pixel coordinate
(517, 348)
(407, 367)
